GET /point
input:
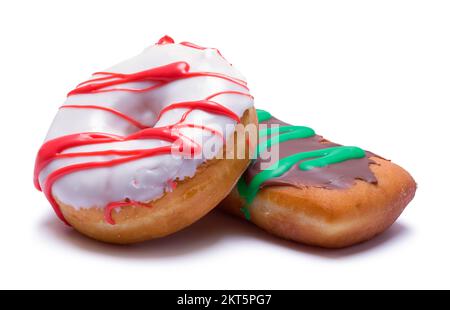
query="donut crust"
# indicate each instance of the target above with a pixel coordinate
(188, 202)
(331, 218)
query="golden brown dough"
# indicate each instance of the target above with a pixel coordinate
(188, 202)
(331, 218)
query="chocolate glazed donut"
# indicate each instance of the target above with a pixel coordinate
(318, 193)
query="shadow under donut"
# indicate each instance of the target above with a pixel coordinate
(207, 233)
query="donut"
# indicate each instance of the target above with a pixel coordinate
(318, 192)
(147, 147)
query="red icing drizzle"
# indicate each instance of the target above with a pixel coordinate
(165, 40)
(205, 105)
(172, 184)
(198, 47)
(53, 149)
(118, 204)
(160, 75)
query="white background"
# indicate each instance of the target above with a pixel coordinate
(370, 73)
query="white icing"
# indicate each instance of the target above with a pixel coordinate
(145, 179)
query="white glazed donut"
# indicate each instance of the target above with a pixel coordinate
(111, 143)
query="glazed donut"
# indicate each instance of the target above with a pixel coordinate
(124, 160)
(318, 192)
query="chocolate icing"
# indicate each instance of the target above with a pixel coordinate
(335, 176)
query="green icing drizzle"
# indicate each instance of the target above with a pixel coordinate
(309, 160)
(321, 158)
(285, 133)
(263, 115)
